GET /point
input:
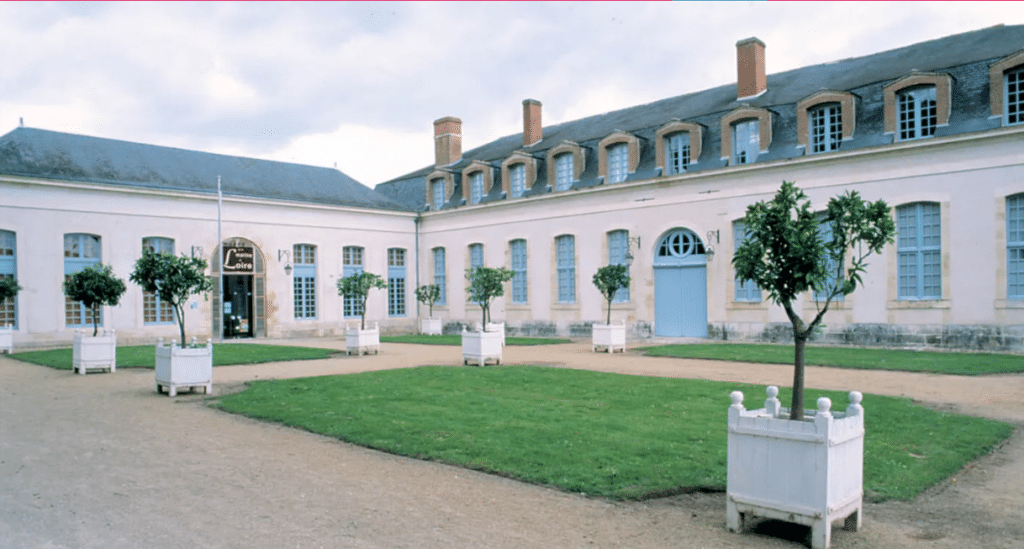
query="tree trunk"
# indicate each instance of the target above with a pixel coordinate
(179, 312)
(609, 312)
(95, 319)
(796, 407)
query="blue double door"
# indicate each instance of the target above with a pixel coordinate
(681, 301)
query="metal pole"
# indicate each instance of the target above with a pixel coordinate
(220, 263)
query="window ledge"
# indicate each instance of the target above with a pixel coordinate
(565, 306)
(919, 304)
(1010, 304)
(747, 305)
(518, 307)
(812, 305)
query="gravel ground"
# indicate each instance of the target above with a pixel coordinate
(103, 461)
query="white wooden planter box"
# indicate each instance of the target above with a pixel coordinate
(6, 339)
(479, 347)
(178, 367)
(94, 353)
(497, 327)
(807, 472)
(362, 341)
(609, 337)
(430, 326)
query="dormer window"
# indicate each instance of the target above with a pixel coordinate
(565, 165)
(677, 145)
(677, 153)
(518, 174)
(746, 132)
(915, 106)
(917, 112)
(618, 162)
(826, 127)
(476, 187)
(1006, 89)
(477, 181)
(824, 120)
(437, 194)
(746, 141)
(618, 155)
(517, 180)
(563, 171)
(1013, 100)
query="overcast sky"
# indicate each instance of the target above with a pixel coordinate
(358, 85)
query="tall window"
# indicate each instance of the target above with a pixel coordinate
(618, 249)
(918, 112)
(304, 280)
(618, 162)
(351, 263)
(396, 282)
(746, 141)
(476, 257)
(517, 249)
(8, 269)
(677, 153)
(80, 251)
(476, 187)
(566, 249)
(517, 177)
(835, 276)
(1013, 99)
(1015, 247)
(744, 290)
(154, 309)
(918, 247)
(437, 194)
(826, 127)
(563, 171)
(439, 275)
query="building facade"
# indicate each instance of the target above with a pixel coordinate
(935, 129)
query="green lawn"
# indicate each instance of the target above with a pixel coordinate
(966, 364)
(456, 339)
(224, 354)
(608, 435)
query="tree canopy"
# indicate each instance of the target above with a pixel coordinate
(485, 284)
(358, 286)
(95, 286)
(609, 280)
(428, 294)
(173, 279)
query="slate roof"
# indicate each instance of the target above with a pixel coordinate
(47, 154)
(965, 56)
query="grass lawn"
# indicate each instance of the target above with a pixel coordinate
(607, 435)
(456, 339)
(144, 356)
(966, 364)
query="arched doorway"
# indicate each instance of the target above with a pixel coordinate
(242, 282)
(680, 286)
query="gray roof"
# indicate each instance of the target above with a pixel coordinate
(68, 157)
(965, 56)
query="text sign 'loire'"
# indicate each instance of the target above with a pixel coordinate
(238, 260)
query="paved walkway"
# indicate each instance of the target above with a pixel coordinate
(103, 461)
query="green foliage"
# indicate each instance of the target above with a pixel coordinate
(607, 435)
(8, 287)
(610, 279)
(456, 339)
(173, 278)
(144, 356)
(784, 253)
(95, 286)
(428, 294)
(358, 286)
(485, 284)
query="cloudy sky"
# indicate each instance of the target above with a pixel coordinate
(358, 85)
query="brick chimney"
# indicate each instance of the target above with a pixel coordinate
(533, 131)
(750, 76)
(447, 141)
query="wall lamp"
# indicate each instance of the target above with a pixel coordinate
(287, 256)
(709, 249)
(629, 247)
(197, 251)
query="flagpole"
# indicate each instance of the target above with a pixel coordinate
(220, 262)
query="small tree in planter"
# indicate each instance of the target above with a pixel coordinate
(358, 286)
(175, 279)
(485, 284)
(609, 280)
(8, 290)
(804, 471)
(428, 294)
(94, 286)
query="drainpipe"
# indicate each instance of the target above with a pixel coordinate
(416, 223)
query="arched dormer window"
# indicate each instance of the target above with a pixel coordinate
(746, 132)
(824, 120)
(440, 186)
(916, 105)
(565, 165)
(1006, 89)
(518, 174)
(677, 145)
(618, 155)
(477, 177)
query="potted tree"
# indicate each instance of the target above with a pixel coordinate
(358, 286)
(609, 280)
(485, 284)
(428, 294)
(8, 290)
(796, 465)
(175, 279)
(95, 286)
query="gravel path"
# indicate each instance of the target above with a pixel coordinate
(103, 461)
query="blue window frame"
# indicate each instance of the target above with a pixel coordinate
(476, 258)
(618, 249)
(351, 263)
(566, 249)
(618, 162)
(677, 153)
(80, 251)
(1013, 96)
(743, 290)
(304, 280)
(1015, 247)
(439, 275)
(396, 282)
(476, 187)
(517, 251)
(834, 266)
(517, 180)
(919, 251)
(918, 112)
(154, 309)
(563, 171)
(437, 194)
(746, 141)
(826, 127)
(8, 269)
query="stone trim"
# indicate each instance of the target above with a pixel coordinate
(530, 170)
(943, 96)
(616, 137)
(847, 108)
(449, 185)
(579, 159)
(995, 80)
(764, 117)
(488, 178)
(696, 132)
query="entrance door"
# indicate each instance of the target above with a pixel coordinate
(238, 309)
(680, 286)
